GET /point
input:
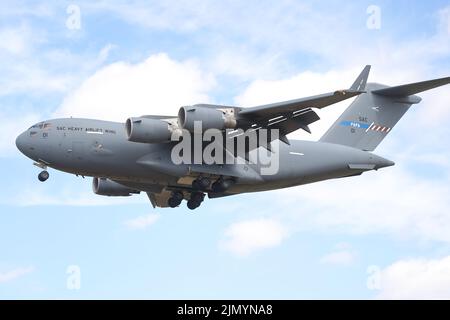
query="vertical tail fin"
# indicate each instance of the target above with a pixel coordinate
(367, 121)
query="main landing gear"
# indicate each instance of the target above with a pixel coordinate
(196, 200)
(201, 183)
(43, 175)
(200, 186)
(175, 200)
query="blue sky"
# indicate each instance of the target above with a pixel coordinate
(317, 241)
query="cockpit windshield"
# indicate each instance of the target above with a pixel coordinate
(40, 125)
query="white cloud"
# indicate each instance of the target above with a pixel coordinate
(342, 255)
(444, 17)
(392, 201)
(242, 46)
(340, 258)
(158, 85)
(245, 237)
(416, 279)
(104, 53)
(14, 41)
(23, 9)
(246, 45)
(27, 68)
(13, 274)
(142, 222)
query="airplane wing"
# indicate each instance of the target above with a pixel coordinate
(318, 101)
(289, 116)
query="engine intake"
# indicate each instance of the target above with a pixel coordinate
(209, 117)
(147, 130)
(106, 187)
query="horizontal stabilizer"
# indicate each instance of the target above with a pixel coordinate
(412, 88)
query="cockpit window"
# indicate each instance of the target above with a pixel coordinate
(39, 125)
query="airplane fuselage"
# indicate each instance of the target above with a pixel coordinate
(101, 149)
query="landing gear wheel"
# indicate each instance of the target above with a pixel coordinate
(197, 197)
(43, 176)
(201, 183)
(192, 204)
(178, 195)
(173, 202)
(196, 200)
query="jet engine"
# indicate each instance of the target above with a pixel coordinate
(106, 187)
(209, 117)
(147, 130)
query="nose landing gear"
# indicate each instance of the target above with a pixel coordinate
(43, 175)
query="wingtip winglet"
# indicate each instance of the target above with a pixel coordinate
(360, 82)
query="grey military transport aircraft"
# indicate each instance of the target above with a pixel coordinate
(138, 155)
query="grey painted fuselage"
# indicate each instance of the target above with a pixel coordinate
(101, 149)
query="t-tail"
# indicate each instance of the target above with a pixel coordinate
(367, 121)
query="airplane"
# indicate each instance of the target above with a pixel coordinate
(138, 155)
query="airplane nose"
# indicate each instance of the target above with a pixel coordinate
(21, 142)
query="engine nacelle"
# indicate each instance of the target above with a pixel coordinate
(209, 117)
(147, 130)
(106, 187)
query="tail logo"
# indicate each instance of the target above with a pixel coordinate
(354, 124)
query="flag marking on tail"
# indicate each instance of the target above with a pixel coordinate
(380, 128)
(372, 126)
(354, 124)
